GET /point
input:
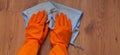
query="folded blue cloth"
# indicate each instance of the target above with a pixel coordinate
(51, 8)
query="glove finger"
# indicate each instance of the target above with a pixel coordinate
(43, 20)
(61, 19)
(69, 23)
(40, 15)
(32, 18)
(65, 19)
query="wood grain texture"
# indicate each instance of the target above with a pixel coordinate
(99, 30)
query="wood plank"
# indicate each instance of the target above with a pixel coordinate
(99, 30)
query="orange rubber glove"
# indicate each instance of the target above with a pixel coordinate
(61, 35)
(35, 34)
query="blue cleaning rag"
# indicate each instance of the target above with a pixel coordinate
(51, 8)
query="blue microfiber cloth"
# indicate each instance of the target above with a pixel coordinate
(51, 8)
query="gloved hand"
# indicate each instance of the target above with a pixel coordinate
(37, 28)
(62, 31)
(61, 35)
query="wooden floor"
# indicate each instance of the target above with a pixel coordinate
(99, 30)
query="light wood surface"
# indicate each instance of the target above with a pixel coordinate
(99, 30)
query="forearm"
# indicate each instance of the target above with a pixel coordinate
(30, 47)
